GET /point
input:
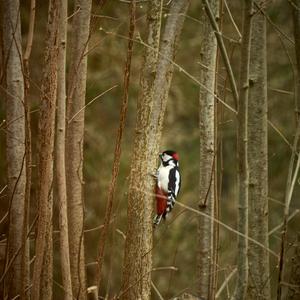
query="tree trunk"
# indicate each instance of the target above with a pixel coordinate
(208, 53)
(43, 264)
(134, 269)
(117, 152)
(28, 145)
(74, 143)
(155, 83)
(15, 143)
(60, 153)
(293, 166)
(242, 156)
(293, 292)
(259, 277)
(296, 23)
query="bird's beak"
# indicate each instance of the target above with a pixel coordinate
(160, 155)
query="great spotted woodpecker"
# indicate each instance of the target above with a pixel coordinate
(168, 184)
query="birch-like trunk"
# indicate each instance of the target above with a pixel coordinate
(15, 143)
(242, 157)
(60, 153)
(74, 143)
(259, 276)
(43, 265)
(208, 53)
(155, 83)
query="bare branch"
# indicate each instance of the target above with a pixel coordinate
(90, 102)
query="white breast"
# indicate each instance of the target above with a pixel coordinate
(163, 177)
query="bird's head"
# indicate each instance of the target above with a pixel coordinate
(169, 156)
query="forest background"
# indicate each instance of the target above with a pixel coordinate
(175, 248)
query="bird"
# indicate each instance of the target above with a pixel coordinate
(167, 185)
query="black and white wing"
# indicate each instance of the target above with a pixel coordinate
(173, 187)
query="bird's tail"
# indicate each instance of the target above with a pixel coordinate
(157, 220)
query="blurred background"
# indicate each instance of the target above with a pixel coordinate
(174, 241)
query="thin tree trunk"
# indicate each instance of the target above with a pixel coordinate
(242, 157)
(293, 169)
(117, 153)
(208, 54)
(74, 143)
(259, 277)
(296, 23)
(151, 108)
(293, 292)
(60, 153)
(15, 142)
(25, 263)
(42, 271)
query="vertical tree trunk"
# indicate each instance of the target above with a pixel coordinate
(242, 156)
(293, 167)
(139, 270)
(117, 153)
(259, 277)
(42, 271)
(60, 152)
(151, 108)
(296, 23)
(294, 289)
(208, 53)
(15, 142)
(74, 144)
(25, 264)
(293, 292)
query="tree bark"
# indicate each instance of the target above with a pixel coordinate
(60, 153)
(15, 144)
(74, 143)
(43, 264)
(155, 83)
(242, 156)
(137, 272)
(208, 53)
(259, 277)
(26, 73)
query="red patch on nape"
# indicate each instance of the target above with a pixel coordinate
(176, 156)
(161, 201)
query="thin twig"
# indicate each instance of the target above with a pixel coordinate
(232, 20)
(291, 216)
(189, 208)
(90, 102)
(10, 263)
(225, 283)
(228, 228)
(157, 291)
(172, 268)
